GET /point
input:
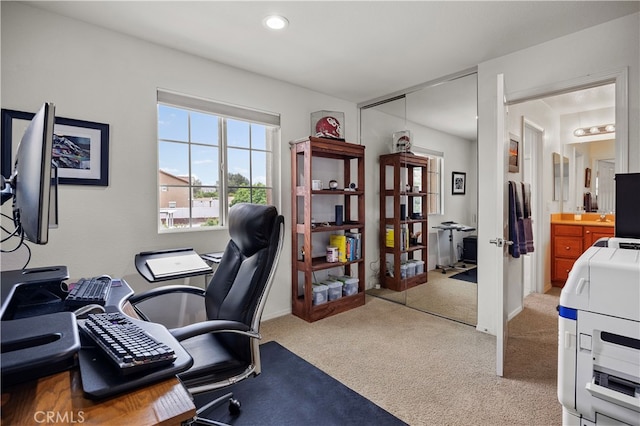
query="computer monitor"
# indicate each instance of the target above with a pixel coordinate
(33, 183)
(627, 205)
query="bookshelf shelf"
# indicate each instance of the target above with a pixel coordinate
(308, 235)
(403, 219)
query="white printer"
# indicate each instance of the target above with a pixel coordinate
(599, 337)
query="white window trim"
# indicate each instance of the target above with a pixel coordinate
(226, 111)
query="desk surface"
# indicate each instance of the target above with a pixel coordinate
(61, 397)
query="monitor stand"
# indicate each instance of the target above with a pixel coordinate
(36, 290)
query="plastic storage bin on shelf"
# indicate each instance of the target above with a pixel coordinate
(349, 285)
(419, 267)
(320, 294)
(411, 269)
(334, 289)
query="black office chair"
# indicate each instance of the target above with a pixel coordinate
(225, 347)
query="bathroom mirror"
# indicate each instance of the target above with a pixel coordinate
(595, 168)
(557, 176)
(565, 179)
(560, 177)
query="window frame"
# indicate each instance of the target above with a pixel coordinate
(439, 158)
(223, 113)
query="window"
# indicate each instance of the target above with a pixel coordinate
(210, 157)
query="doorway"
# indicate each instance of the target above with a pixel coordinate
(547, 125)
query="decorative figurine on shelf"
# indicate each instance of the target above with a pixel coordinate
(333, 184)
(402, 142)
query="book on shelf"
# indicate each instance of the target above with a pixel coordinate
(356, 244)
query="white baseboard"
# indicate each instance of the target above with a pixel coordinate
(277, 314)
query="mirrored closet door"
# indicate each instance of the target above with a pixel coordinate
(428, 224)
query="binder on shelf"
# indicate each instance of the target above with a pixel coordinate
(389, 238)
(339, 241)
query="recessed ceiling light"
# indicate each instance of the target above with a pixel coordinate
(275, 22)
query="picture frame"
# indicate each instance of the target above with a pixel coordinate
(514, 153)
(458, 183)
(86, 142)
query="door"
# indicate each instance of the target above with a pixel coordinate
(501, 240)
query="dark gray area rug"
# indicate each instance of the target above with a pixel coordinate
(470, 275)
(291, 391)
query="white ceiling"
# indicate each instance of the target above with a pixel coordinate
(353, 50)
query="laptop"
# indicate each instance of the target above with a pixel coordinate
(162, 267)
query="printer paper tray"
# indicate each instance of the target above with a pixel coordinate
(612, 396)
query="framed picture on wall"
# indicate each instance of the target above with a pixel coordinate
(80, 148)
(458, 183)
(514, 153)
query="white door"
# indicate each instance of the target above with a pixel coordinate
(501, 239)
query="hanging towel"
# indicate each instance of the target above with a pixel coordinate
(528, 227)
(522, 243)
(514, 249)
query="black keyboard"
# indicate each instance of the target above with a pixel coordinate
(89, 291)
(126, 344)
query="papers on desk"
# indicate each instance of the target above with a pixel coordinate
(162, 267)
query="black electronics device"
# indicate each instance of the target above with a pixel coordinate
(627, 205)
(129, 348)
(38, 346)
(89, 291)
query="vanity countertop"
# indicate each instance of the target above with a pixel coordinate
(589, 219)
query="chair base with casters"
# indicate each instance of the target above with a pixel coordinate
(225, 346)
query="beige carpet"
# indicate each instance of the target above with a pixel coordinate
(440, 295)
(428, 370)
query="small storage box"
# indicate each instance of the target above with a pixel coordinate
(349, 285)
(411, 269)
(320, 292)
(334, 289)
(419, 267)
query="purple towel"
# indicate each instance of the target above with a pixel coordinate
(514, 249)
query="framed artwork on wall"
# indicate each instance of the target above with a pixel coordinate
(458, 183)
(80, 148)
(514, 153)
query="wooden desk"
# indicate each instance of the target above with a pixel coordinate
(59, 399)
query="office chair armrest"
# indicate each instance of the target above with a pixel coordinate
(167, 289)
(212, 326)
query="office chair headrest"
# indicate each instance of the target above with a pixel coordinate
(251, 225)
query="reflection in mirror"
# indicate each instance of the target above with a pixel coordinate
(596, 170)
(442, 118)
(557, 177)
(565, 179)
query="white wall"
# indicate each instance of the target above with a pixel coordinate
(557, 61)
(97, 75)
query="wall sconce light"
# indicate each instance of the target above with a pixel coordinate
(594, 130)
